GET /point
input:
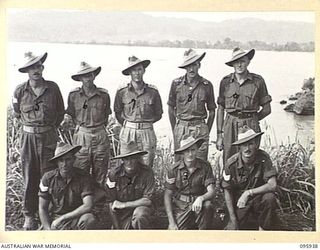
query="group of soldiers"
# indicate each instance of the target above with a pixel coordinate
(63, 181)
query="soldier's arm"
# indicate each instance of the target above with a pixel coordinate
(220, 121)
(265, 111)
(118, 108)
(172, 116)
(81, 210)
(168, 206)
(131, 204)
(44, 213)
(210, 119)
(60, 107)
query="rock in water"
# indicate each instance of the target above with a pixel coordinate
(305, 104)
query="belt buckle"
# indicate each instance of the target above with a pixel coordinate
(139, 125)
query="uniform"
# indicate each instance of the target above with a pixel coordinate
(191, 105)
(139, 112)
(90, 115)
(66, 197)
(237, 179)
(123, 188)
(187, 187)
(241, 102)
(40, 116)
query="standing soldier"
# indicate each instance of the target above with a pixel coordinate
(38, 105)
(137, 106)
(191, 101)
(241, 95)
(89, 107)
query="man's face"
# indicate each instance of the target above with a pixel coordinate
(189, 155)
(130, 165)
(137, 73)
(248, 149)
(35, 71)
(193, 69)
(65, 163)
(87, 79)
(240, 66)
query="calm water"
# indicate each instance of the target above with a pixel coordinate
(283, 72)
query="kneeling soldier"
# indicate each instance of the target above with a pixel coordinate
(189, 188)
(129, 190)
(70, 191)
(249, 182)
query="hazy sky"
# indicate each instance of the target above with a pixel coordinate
(301, 16)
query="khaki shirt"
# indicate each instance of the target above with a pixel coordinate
(239, 178)
(191, 103)
(89, 111)
(65, 197)
(124, 188)
(248, 96)
(133, 107)
(47, 109)
(179, 179)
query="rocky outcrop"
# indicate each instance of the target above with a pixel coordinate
(305, 102)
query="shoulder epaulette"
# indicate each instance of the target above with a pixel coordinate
(103, 90)
(122, 86)
(264, 154)
(227, 76)
(205, 81)
(50, 174)
(75, 89)
(178, 80)
(232, 159)
(152, 86)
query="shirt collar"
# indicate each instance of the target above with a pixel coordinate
(96, 91)
(130, 87)
(28, 87)
(249, 76)
(198, 78)
(240, 163)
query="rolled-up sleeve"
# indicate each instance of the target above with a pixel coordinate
(264, 96)
(170, 181)
(221, 98)
(209, 176)
(211, 105)
(172, 95)
(149, 186)
(44, 188)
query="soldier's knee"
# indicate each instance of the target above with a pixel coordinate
(140, 212)
(207, 205)
(88, 221)
(269, 199)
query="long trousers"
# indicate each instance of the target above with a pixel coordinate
(230, 135)
(137, 218)
(261, 207)
(144, 139)
(93, 157)
(36, 150)
(187, 219)
(199, 130)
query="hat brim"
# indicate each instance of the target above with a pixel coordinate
(191, 61)
(198, 141)
(249, 138)
(77, 76)
(32, 62)
(135, 153)
(145, 64)
(73, 150)
(250, 55)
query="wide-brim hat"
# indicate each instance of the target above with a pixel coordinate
(63, 149)
(245, 135)
(85, 68)
(237, 53)
(131, 154)
(188, 141)
(133, 61)
(190, 56)
(31, 60)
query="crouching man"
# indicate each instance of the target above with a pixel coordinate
(249, 182)
(189, 188)
(129, 190)
(69, 190)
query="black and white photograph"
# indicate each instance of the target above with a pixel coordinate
(160, 120)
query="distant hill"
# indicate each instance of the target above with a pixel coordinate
(119, 27)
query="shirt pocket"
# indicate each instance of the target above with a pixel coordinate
(28, 111)
(249, 96)
(129, 105)
(147, 107)
(231, 97)
(98, 111)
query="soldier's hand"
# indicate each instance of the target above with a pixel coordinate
(197, 205)
(219, 143)
(56, 223)
(232, 225)
(243, 199)
(118, 205)
(173, 226)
